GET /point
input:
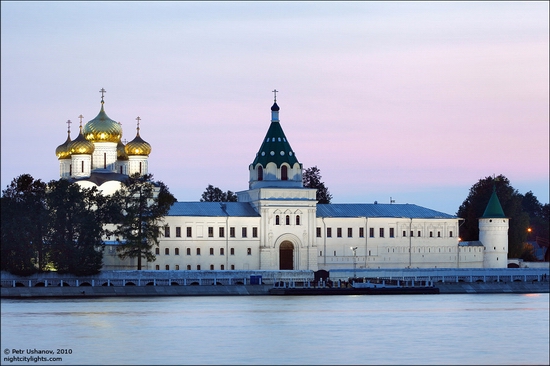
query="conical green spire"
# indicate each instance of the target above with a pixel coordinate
(275, 147)
(493, 209)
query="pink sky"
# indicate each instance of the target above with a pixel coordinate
(414, 101)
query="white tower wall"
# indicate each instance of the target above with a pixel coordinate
(493, 234)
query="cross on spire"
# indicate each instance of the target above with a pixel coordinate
(138, 119)
(81, 116)
(275, 94)
(68, 125)
(102, 91)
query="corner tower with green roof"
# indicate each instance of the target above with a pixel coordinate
(493, 234)
(275, 164)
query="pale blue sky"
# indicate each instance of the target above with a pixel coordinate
(414, 101)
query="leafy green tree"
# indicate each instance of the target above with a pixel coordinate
(23, 226)
(311, 178)
(474, 206)
(143, 204)
(76, 227)
(214, 194)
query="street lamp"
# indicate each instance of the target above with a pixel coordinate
(354, 262)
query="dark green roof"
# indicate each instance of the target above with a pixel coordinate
(275, 148)
(493, 209)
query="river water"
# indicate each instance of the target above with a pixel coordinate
(389, 329)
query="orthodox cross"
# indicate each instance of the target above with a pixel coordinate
(138, 119)
(275, 93)
(102, 91)
(81, 116)
(69, 125)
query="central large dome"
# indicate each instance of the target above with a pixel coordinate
(102, 128)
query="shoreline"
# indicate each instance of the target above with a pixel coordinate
(25, 293)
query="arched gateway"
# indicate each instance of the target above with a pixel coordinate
(286, 255)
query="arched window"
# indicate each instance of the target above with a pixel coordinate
(277, 220)
(287, 220)
(121, 169)
(284, 172)
(140, 167)
(260, 173)
(297, 219)
(82, 166)
(104, 160)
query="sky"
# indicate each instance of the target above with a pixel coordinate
(409, 101)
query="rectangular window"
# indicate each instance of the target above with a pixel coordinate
(450, 234)
(381, 232)
(222, 232)
(412, 234)
(211, 251)
(232, 232)
(320, 253)
(188, 251)
(198, 267)
(335, 253)
(254, 232)
(222, 267)
(318, 232)
(419, 234)
(244, 232)
(211, 267)
(198, 251)
(431, 234)
(232, 251)
(439, 234)
(189, 232)
(177, 251)
(167, 251)
(392, 232)
(248, 251)
(361, 232)
(350, 232)
(178, 232)
(167, 231)
(339, 232)
(210, 232)
(371, 232)
(329, 232)
(232, 266)
(404, 233)
(222, 251)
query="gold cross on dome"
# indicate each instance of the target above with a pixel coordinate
(81, 116)
(102, 91)
(68, 125)
(275, 93)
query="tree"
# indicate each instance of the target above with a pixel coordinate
(311, 178)
(76, 227)
(143, 204)
(214, 194)
(23, 226)
(474, 206)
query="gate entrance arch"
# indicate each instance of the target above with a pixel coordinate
(286, 255)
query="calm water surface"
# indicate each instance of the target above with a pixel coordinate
(400, 329)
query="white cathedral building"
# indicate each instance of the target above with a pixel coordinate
(277, 224)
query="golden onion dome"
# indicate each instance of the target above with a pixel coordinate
(120, 152)
(102, 128)
(80, 145)
(138, 146)
(63, 151)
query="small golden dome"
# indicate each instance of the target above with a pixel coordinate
(120, 152)
(81, 146)
(102, 128)
(63, 151)
(138, 146)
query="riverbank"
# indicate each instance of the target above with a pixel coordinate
(242, 290)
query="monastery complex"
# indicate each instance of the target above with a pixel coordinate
(277, 224)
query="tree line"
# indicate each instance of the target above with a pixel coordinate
(60, 226)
